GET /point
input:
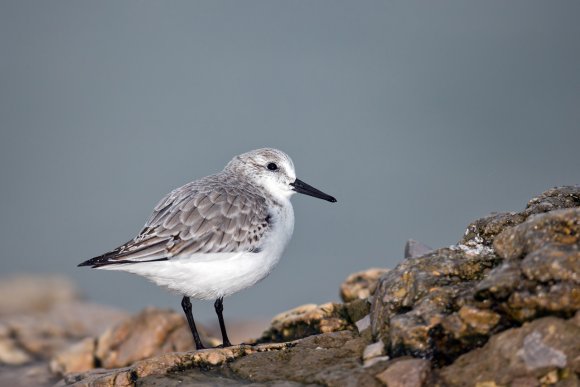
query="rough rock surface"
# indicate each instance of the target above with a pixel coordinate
(508, 269)
(307, 320)
(547, 346)
(500, 308)
(328, 359)
(406, 373)
(485, 230)
(361, 285)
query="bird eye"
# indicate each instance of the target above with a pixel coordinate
(272, 166)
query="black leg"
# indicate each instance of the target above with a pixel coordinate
(186, 305)
(219, 308)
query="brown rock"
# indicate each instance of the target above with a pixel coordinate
(406, 373)
(357, 309)
(331, 359)
(485, 230)
(500, 282)
(525, 382)
(560, 298)
(452, 300)
(307, 320)
(11, 353)
(360, 285)
(553, 262)
(450, 306)
(531, 351)
(149, 333)
(554, 199)
(560, 226)
(77, 358)
(33, 319)
(152, 332)
(336, 354)
(480, 320)
(412, 300)
(42, 334)
(409, 333)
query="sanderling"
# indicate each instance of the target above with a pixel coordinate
(217, 235)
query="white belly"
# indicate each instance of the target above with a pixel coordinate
(210, 276)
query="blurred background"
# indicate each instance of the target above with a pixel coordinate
(418, 116)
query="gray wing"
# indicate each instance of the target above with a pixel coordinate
(196, 218)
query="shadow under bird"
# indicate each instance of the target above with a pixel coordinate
(217, 235)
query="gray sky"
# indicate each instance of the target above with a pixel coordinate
(418, 116)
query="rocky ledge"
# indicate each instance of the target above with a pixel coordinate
(499, 308)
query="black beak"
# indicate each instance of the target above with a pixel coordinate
(303, 188)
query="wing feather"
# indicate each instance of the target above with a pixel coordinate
(206, 216)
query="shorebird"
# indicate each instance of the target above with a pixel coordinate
(217, 235)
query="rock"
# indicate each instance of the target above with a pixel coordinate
(554, 199)
(364, 323)
(11, 353)
(414, 249)
(536, 354)
(331, 359)
(162, 365)
(500, 308)
(77, 358)
(357, 309)
(561, 299)
(374, 350)
(307, 320)
(360, 285)
(41, 330)
(533, 351)
(149, 333)
(375, 360)
(37, 375)
(563, 264)
(561, 227)
(500, 282)
(43, 334)
(525, 382)
(508, 269)
(542, 268)
(482, 321)
(406, 373)
(412, 300)
(34, 293)
(485, 230)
